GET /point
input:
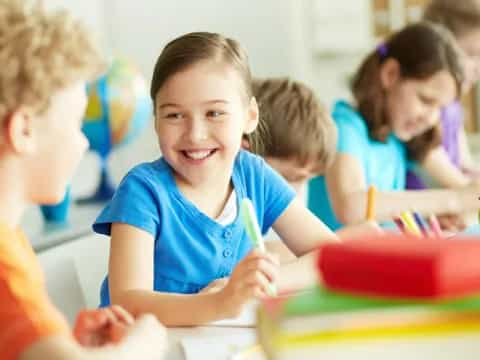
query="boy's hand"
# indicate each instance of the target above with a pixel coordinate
(99, 327)
(215, 285)
(251, 278)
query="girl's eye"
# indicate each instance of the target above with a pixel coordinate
(174, 116)
(214, 113)
(426, 100)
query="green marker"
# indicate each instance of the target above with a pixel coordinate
(249, 218)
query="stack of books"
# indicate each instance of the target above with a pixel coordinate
(390, 298)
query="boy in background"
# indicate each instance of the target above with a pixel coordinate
(301, 140)
(46, 60)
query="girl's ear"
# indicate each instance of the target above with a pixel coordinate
(252, 116)
(389, 73)
(19, 132)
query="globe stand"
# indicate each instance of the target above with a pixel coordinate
(105, 189)
(57, 215)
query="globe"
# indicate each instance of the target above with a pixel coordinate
(119, 107)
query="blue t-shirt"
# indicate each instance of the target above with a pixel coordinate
(191, 249)
(383, 164)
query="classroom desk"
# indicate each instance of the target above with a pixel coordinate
(212, 343)
(222, 342)
(209, 342)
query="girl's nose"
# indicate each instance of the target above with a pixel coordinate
(432, 115)
(197, 131)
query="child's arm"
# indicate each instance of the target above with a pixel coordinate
(304, 268)
(467, 163)
(438, 165)
(352, 231)
(278, 248)
(348, 194)
(302, 232)
(131, 283)
(285, 255)
(146, 339)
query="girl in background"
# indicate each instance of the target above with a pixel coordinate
(399, 91)
(451, 165)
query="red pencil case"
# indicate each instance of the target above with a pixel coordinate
(402, 266)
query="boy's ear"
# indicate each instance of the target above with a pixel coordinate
(252, 116)
(19, 131)
(389, 73)
(155, 124)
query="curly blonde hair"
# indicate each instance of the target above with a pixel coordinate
(41, 53)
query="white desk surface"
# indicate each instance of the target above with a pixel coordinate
(208, 342)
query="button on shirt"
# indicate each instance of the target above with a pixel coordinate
(192, 249)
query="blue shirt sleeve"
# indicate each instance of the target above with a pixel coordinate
(352, 138)
(278, 195)
(133, 204)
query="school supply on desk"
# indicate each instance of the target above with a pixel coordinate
(402, 266)
(324, 324)
(422, 225)
(400, 225)
(249, 218)
(410, 223)
(371, 199)
(435, 226)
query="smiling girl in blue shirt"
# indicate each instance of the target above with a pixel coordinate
(174, 222)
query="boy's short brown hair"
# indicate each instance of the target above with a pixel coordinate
(298, 126)
(41, 53)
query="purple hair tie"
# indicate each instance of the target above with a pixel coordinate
(382, 50)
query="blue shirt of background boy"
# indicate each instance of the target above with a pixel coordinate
(191, 249)
(384, 164)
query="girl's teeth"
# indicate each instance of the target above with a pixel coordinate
(197, 155)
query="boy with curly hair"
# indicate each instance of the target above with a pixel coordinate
(46, 59)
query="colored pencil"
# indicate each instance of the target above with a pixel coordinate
(410, 223)
(371, 199)
(435, 226)
(421, 223)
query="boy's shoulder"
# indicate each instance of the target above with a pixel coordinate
(26, 316)
(9, 241)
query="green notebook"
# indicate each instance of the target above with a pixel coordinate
(319, 300)
(319, 311)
